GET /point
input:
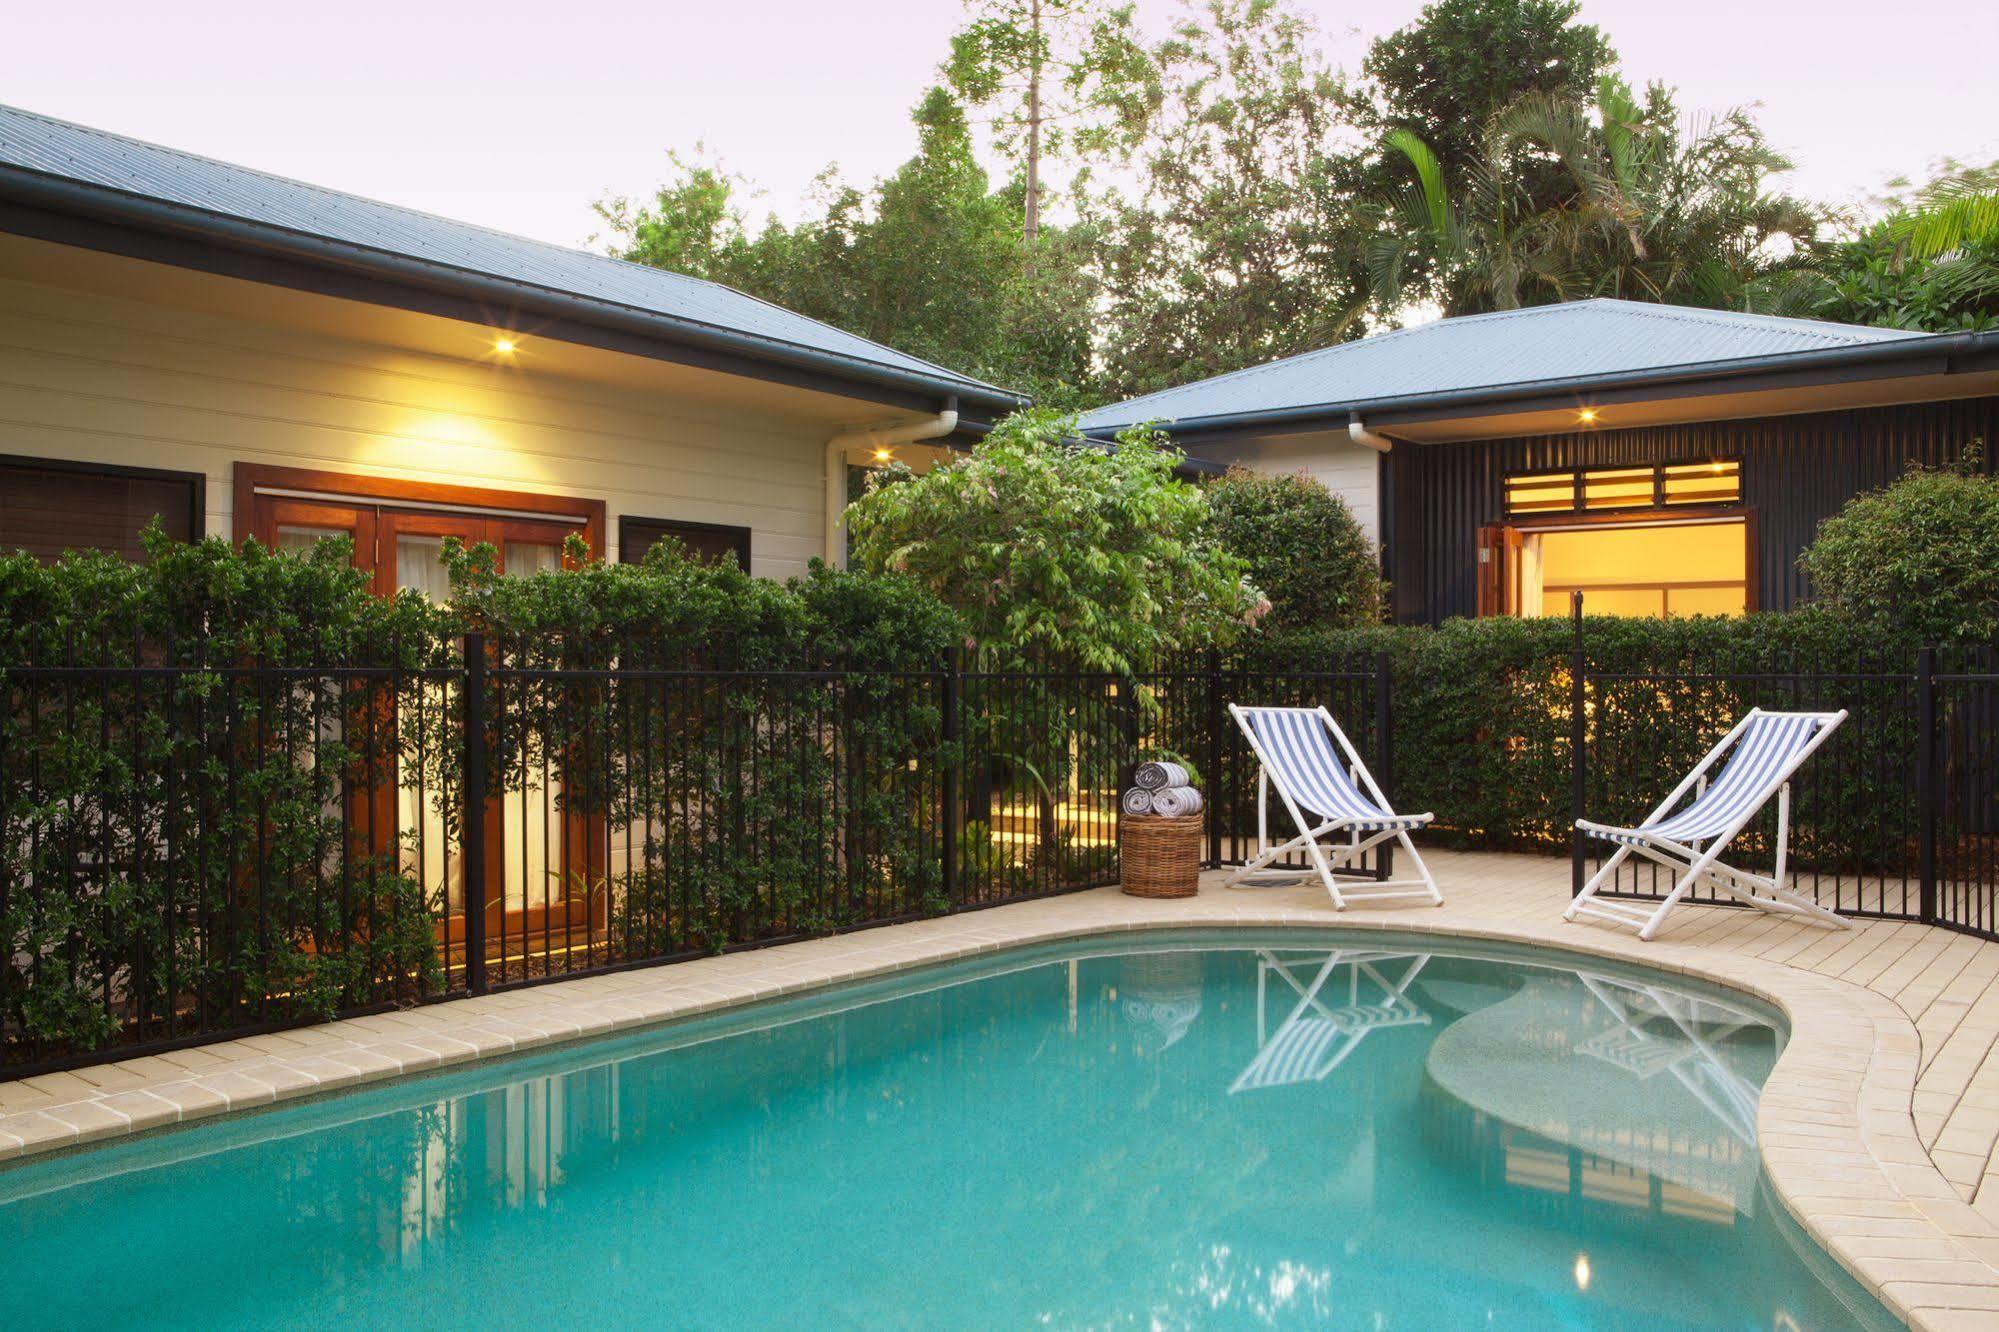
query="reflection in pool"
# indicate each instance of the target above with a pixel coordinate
(1294, 1130)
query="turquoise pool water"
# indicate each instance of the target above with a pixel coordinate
(1288, 1130)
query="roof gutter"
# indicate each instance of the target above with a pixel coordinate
(1939, 348)
(58, 194)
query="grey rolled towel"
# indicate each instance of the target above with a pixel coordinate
(1136, 801)
(1176, 802)
(1158, 776)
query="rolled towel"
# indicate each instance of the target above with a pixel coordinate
(1157, 776)
(1176, 802)
(1136, 801)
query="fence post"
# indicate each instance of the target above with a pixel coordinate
(1926, 782)
(1578, 741)
(1211, 759)
(953, 809)
(472, 820)
(1384, 755)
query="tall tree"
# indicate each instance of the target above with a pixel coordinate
(930, 260)
(1227, 246)
(1059, 76)
(1462, 61)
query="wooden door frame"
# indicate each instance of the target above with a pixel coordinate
(436, 504)
(249, 479)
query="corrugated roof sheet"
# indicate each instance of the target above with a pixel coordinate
(1509, 348)
(95, 157)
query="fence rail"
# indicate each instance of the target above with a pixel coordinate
(190, 852)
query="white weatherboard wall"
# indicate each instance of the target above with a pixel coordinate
(93, 376)
(1347, 469)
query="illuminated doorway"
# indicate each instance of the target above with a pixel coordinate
(541, 861)
(1644, 569)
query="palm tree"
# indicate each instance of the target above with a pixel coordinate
(1955, 214)
(1609, 198)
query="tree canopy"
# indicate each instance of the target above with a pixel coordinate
(1229, 197)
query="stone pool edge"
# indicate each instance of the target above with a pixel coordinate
(1838, 1143)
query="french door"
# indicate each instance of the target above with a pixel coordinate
(544, 866)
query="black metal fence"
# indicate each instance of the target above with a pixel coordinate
(1897, 816)
(190, 851)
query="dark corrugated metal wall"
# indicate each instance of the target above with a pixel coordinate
(1796, 472)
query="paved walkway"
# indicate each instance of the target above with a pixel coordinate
(1878, 1128)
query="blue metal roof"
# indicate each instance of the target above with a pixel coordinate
(1509, 349)
(92, 157)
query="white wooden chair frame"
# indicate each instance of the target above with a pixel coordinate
(1327, 858)
(1695, 864)
(1362, 961)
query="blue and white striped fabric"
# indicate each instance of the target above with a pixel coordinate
(1761, 753)
(1308, 765)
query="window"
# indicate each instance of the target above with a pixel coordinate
(48, 507)
(704, 541)
(1610, 489)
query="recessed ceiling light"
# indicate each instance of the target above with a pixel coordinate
(504, 346)
(883, 455)
(1587, 415)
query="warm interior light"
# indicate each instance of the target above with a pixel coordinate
(1586, 415)
(504, 346)
(1582, 1271)
(883, 455)
(1720, 467)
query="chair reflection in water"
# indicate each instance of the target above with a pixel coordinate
(1661, 1031)
(1336, 1000)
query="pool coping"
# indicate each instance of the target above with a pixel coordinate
(1839, 1145)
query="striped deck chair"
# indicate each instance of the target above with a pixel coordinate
(1315, 1038)
(1297, 750)
(1763, 750)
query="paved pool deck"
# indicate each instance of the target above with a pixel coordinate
(1877, 1129)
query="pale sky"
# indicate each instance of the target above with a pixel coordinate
(518, 115)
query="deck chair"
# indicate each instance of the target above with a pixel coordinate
(1316, 1037)
(1763, 750)
(1303, 752)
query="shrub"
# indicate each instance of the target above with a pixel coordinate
(1057, 556)
(1058, 553)
(1482, 716)
(1919, 558)
(137, 810)
(1303, 547)
(217, 850)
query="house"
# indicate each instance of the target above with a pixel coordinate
(242, 354)
(1659, 459)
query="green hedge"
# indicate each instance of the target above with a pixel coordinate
(1482, 715)
(176, 852)
(195, 850)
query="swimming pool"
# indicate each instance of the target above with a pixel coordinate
(1293, 1128)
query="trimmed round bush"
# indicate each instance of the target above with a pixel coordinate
(1919, 558)
(1303, 546)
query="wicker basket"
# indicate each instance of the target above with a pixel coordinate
(1161, 857)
